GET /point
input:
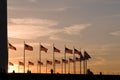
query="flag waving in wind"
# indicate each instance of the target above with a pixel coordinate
(30, 63)
(86, 55)
(64, 61)
(56, 50)
(21, 63)
(42, 48)
(77, 52)
(12, 47)
(11, 64)
(68, 50)
(28, 47)
(49, 62)
(57, 61)
(40, 63)
(71, 60)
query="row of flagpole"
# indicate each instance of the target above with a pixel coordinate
(49, 62)
(67, 50)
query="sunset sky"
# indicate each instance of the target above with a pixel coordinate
(93, 25)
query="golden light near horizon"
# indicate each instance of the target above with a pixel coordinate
(90, 25)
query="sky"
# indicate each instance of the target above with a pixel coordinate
(91, 25)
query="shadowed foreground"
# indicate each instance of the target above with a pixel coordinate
(33, 76)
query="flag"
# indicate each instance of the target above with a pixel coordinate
(64, 61)
(77, 59)
(40, 63)
(81, 57)
(11, 64)
(28, 47)
(21, 63)
(56, 50)
(57, 61)
(49, 62)
(77, 52)
(71, 60)
(11, 47)
(42, 48)
(68, 50)
(86, 55)
(30, 63)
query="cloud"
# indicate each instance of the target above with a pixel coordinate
(32, 0)
(76, 29)
(30, 28)
(33, 21)
(116, 33)
(34, 28)
(53, 37)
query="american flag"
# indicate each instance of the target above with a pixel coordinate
(42, 48)
(28, 47)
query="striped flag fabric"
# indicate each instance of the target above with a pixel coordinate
(56, 50)
(68, 50)
(86, 56)
(57, 61)
(49, 62)
(42, 48)
(40, 63)
(30, 63)
(21, 63)
(64, 61)
(71, 60)
(77, 52)
(11, 64)
(28, 47)
(11, 47)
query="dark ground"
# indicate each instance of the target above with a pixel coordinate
(33, 76)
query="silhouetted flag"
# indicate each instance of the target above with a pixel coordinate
(56, 50)
(42, 48)
(11, 64)
(64, 61)
(49, 62)
(11, 47)
(40, 63)
(86, 55)
(81, 57)
(77, 52)
(68, 50)
(28, 47)
(30, 63)
(71, 60)
(21, 63)
(57, 61)
(77, 59)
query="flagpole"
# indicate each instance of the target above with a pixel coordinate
(80, 61)
(24, 56)
(18, 67)
(86, 66)
(46, 66)
(65, 59)
(53, 59)
(28, 66)
(74, 61)
(62, 67)
(40, 55)
(84, 63)
(69, 66)
(37, 67)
